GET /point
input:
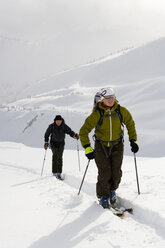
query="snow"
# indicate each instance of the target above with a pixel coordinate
(44, 212)
(137, 77)
(43, 73)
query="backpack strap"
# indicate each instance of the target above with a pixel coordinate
(117, 114)
(107, 154)
(101, 111)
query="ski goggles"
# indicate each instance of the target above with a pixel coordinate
(110, 96)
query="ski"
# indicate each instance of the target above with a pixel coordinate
(59, 177)
(118, 211)
(121, 210)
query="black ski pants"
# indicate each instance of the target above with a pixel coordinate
(57, 158)
(109, 169)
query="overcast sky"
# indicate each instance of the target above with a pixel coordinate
(29, 19)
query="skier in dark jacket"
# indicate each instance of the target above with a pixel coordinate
(57, 131)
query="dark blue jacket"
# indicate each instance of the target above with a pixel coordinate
(57, 133)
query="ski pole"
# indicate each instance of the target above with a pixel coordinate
(43, 163)
(83, 177)
(136, 174)
(78, 155)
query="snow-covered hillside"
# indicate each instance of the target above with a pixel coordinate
(138, 78)
(39, 212)
(40, 38)
(54, 56)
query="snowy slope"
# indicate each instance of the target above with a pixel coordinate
(140, 64)
(39, 212)
(40, 38)
(138, 78)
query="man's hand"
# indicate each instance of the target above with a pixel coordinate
(76, 136)
(46, 145)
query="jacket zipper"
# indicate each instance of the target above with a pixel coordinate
(110, 127)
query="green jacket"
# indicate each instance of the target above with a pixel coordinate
(111, 128)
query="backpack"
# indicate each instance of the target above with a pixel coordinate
(97, 98)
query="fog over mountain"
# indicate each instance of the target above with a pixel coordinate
(138, 78)
(41, 38)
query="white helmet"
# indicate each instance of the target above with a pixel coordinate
(107, 92)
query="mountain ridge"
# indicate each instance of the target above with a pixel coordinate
(71, 94)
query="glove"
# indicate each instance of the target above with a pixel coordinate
(134, 146)
(76, 136)
(89, 152)
(46, 145)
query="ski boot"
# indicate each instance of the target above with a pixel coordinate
(104, 202)
(57, 175)
(113, 197)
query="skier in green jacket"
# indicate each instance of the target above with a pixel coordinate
(108, 118)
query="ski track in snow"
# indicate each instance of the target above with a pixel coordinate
(40, 212)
